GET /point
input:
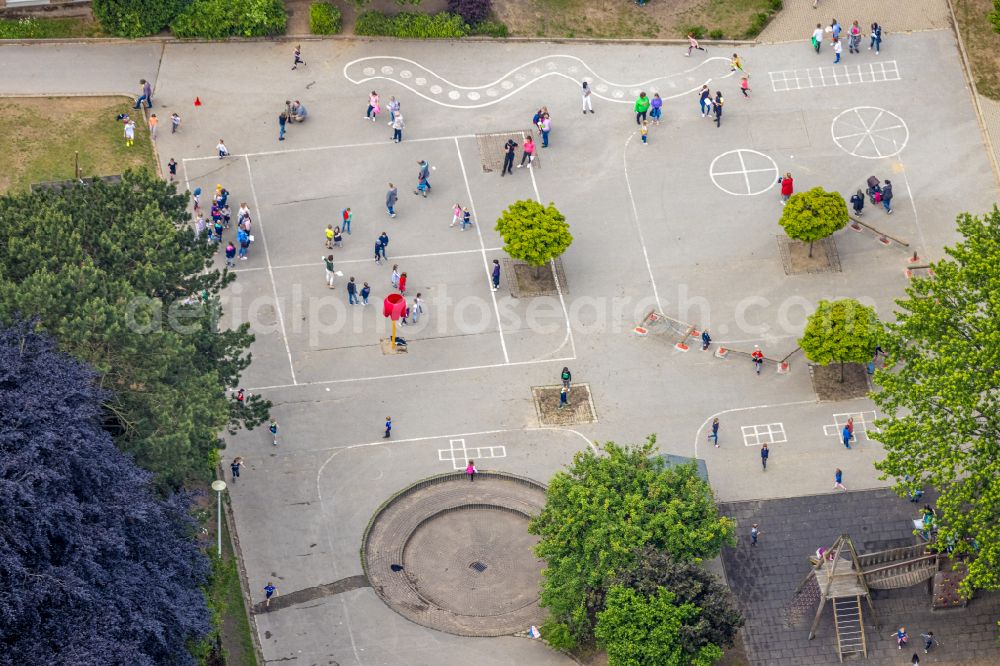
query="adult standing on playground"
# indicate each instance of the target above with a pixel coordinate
(717, 106)
(887, 196)
(423, 179)
(854, 38)
(765, 453)
(587, 103)
(390, 200)
(528, 153)
(876, 33)
(397, 127)
(817, 37)
(641, 107)
(546, 128)
(705, 101)
(509, 152)
(787, 187)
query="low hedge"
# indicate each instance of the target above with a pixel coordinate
(324, 19)
(405, 24)
(218, 19)
(424, 26)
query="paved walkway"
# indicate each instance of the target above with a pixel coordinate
(796, 20)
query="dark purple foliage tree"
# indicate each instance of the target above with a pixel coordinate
(94, 568)
(472, 11)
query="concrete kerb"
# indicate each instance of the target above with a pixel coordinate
(444, 477)
(234, 542)
(970, 79)
(164, 39)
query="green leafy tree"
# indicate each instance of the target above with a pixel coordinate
(136, 18)
(602, 509)
(641, 630)
(843, 331)
(813, 215)
(116, 274)
(942, 397)
(533, 233)
(718, 620)
(995, 15)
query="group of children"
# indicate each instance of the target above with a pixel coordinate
(854, 37)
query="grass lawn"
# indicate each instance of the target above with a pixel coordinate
(730, 19)
(48, 28)
(982, 43)
(225, 592)
(39, 136)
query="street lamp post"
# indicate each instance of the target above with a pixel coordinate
(218, 486)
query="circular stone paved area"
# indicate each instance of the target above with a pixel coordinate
(468, 565)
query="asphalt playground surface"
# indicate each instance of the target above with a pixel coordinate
(686, 226)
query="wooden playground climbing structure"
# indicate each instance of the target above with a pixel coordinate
(844, 577)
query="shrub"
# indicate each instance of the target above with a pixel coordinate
(757, 23)
(489, 29)
(422, 26)
(717, 34)
(776, 6)
(218, 19)
(698, 31)
(472, 11)
(995, 15)
(136, 18)
(324, 19)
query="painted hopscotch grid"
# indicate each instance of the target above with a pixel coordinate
(458, 454)
(766, 433)
(863, 422)
(834, 75)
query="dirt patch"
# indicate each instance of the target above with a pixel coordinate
(826, 381)
(579, 407)
(40, 137)
(526, 281)
(796, 260)
(982, 43)
(727, 19)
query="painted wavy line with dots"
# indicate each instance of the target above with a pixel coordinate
(435, 88)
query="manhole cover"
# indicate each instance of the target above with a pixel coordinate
(478, 566)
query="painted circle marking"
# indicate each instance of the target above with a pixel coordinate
(420, 81)
(869, 132)
(369, 71)
(743, 172)
(473, 95)
(492, 92)
(618, 94)
(436, 89)
(405, 74)
(506, 85)
(386, 69)
(454, 94)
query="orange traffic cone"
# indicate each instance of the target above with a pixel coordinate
(197, 101)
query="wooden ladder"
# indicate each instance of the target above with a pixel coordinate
(850, 626)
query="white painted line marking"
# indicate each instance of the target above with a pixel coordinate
(482, 247)
(368, 261)
(421, 373)
(638, 226)
(457, 446)
(270, 271)
(766, 433)
(310, 149)
(863, 422)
